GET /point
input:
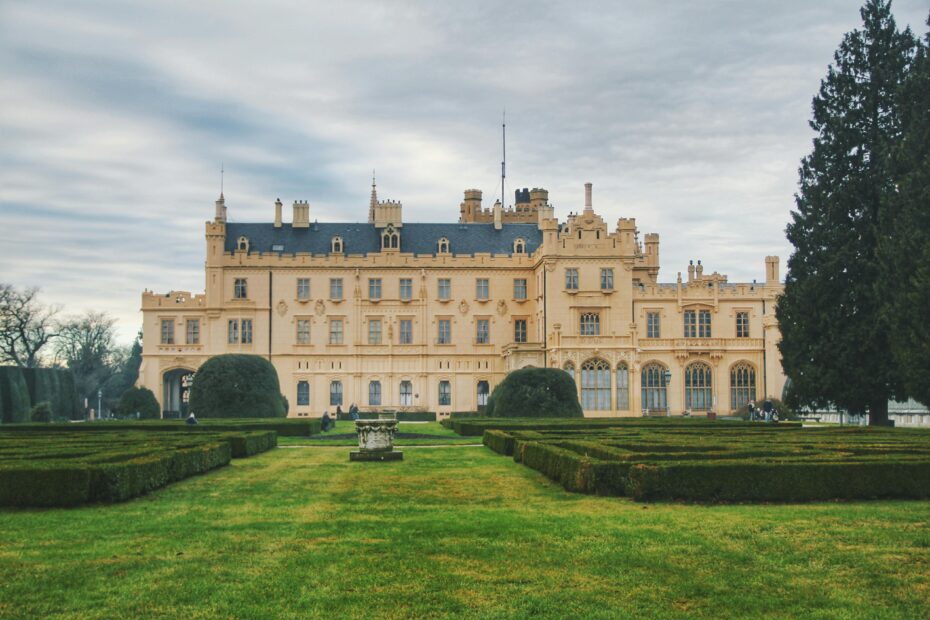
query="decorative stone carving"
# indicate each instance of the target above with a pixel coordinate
(502, 307)
(376, 440)
(463, 307)
(320, 307)
(282, 308)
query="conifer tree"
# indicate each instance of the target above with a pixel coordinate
(835, 333)
(905, 243)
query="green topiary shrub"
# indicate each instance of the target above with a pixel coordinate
(138, 402)
(14, 395)
(535, 393)
(41, 412)
(237, 386)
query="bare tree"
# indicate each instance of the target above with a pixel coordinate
(85, 344)
(26, 325)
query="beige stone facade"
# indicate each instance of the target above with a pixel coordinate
(431, 317)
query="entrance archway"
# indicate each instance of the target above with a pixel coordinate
(176, 385)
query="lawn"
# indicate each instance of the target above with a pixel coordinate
(458, 531)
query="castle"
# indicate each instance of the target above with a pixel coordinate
(394, 315)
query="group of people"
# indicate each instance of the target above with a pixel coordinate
(767, 413)
(330, 422)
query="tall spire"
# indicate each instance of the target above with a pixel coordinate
(374, 199)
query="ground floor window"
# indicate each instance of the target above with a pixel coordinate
(303, 393)
(698, 388)
(654, 393)
(335, 393)
(445, 393)
(595, 385)
(483, 391)
(374, 393)
(623, 387)
(742, 385)
(406, 394)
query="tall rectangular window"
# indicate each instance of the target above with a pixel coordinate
(374, 331)
(374, 288)
(303, 331)
(303, 288)
(374, 393)
(240, 289)
(704, 324)
(335, 288)
(590, 324)
(406, 393)
(335, 331)
(653, 325)
(690, 324)
(742, 325)
(481, 288)
(519, 288)
(246, 331)
(167, 331)
(607, 279)
(232, 331)
(444, 335)
(445, 288)
(406, 331)
(571, 279)
(335, 393)
(303, 393)
(445, 393)
(406, 289)
(482, 331)
(519, 330)
(193, 331)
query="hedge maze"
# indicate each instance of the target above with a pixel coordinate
(43, 467)
(704, 461)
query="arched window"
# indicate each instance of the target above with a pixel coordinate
(303, 393)
(655, 396)
(243, 244)
(445, 393)
(570, 369)
(390, 239)
(590, 324)
(623, 387)
(699, 393)
(374, 393)
(483, 390)
(595, 385)
(335, 393)
(336, 245)
(742, 385)
(519, 246)
(406, 394)
(443, 245)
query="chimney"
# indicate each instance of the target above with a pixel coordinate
(221, 209)
(301, 214)
(497, 215)
(771, 270)
(690, 271)
(587, 197)
(277, 213)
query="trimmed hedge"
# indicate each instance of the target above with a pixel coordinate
(139, 401)
(708, 462)
(14, 395)
(237, 386)
(402, 416)
(42, 470)
(21, 389)
(289, 427)
(535, 393)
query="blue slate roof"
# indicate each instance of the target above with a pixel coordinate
(364, 238)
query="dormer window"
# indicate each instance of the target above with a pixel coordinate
(243, 244)
(390, 238)
(336, 245)
(519, 246)
(443, 246)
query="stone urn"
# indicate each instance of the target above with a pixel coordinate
(376, 440)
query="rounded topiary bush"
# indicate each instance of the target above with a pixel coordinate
(41, 412)
(138, 400)
(237, 386)
(535, 393)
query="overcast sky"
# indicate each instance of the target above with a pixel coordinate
(115, 118)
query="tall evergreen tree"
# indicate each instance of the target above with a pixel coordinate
(835, 335)
(905, 242)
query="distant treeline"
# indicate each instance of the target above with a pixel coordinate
(21, 389)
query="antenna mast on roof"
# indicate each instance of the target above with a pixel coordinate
(504, 158)
(221, 178)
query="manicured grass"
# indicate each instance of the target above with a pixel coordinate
(436, 432)
(457, 531)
